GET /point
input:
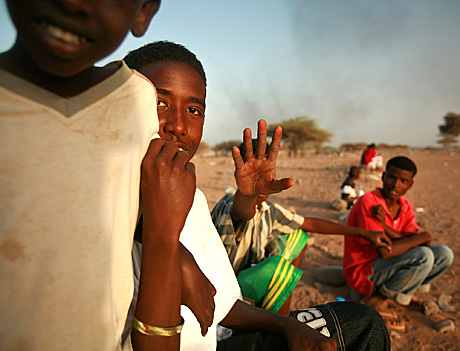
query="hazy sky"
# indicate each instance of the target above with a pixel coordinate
(367, 71)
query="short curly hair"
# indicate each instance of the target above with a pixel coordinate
(163, 51)
(402, 162)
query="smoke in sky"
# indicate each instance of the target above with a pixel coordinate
(366, 71)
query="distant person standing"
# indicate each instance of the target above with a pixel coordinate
(371, 159)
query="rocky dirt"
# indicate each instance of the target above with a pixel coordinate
(435, 195)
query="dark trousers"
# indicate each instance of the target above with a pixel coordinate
(354, 327)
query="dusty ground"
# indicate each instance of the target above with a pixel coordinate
(318, 179)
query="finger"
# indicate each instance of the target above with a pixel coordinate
(384, 242)
(278, 186)
(180, 158)
(261, 139)
(247, 140)
(237, 159)
(154, 148)
(190, 167)
(276, 144)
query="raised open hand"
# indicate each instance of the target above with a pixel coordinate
(256, 175)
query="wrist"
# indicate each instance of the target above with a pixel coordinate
(246, 195)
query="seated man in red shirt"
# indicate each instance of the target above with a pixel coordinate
(413, 262)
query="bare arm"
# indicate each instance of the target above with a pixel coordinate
(167, 188)
(257, 175)
(197, 291)
(399, 246)
(324, 226)
(379, 214)
(299, 336)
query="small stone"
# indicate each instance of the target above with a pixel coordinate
(444, 326)
(430, 308)
(444, 303)
(395, 335)
(332, 275)
(337, 255)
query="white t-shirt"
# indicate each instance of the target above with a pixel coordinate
(69, 194)
(200, 237)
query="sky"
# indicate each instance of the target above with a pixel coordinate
(366, 71)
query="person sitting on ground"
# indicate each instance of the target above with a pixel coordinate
(264, 241)
(347, 189)
(413, 263)
(181, 86)
(371, 159)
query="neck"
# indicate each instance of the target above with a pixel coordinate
(390, 202)
(17, 61)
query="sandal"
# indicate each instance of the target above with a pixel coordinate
(392, 321)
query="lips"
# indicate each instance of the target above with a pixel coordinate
(63, 35)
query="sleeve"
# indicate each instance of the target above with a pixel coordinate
(284, 221)
(222, 220)
(361, 215)
(219, 270)
(410, 225)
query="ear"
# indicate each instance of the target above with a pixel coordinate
(383, 176)
(148, 10)
(411, 183)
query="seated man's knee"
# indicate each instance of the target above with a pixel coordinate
(444, 253)
(424, 256)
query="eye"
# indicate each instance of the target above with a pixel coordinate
(161, 103)
(194, 111)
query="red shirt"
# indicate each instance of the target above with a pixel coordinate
(369, 155)
(358, 252)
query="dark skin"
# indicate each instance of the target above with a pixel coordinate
(181, 94)
(261, 177)
(167, 188)
(58, 42)
(396, 182)
(256, 180)
(181, 106)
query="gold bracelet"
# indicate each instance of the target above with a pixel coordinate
(151, 330)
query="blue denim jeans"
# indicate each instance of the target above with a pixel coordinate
(354, 327)
(399, 277)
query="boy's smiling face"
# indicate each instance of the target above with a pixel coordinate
(181, 102)
(63, 38)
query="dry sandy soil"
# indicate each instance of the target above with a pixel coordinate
(318, 178)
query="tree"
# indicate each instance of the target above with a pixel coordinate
(450, 130)
(226, 146)
(300, 132)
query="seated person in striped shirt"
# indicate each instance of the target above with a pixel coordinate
(264, 241)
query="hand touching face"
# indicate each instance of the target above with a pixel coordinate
(181, 102)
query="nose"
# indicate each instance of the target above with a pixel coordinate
(76, 7)
(175, 123)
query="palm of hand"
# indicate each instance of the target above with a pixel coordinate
(256, 177)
